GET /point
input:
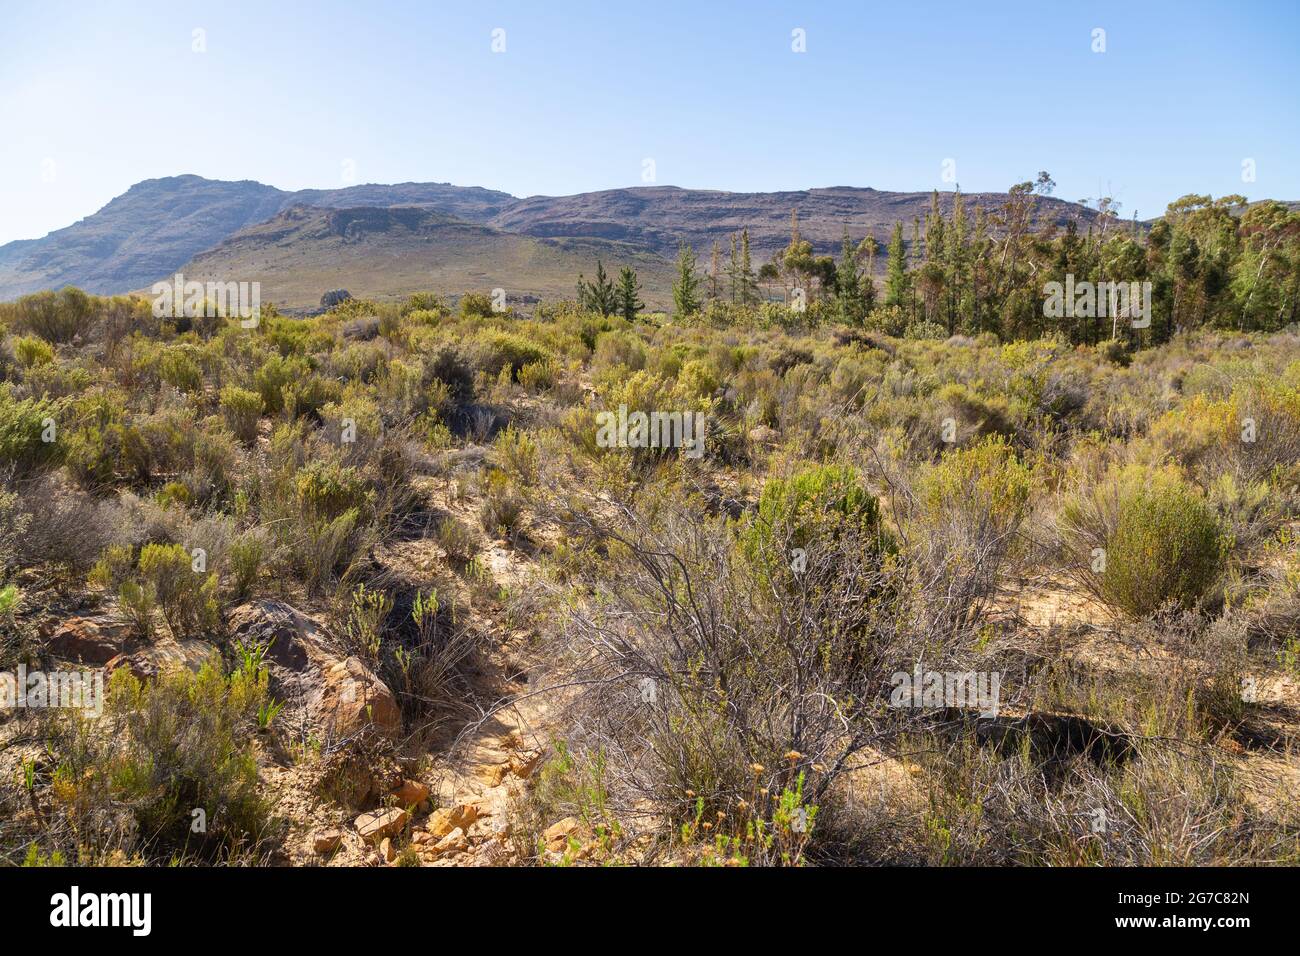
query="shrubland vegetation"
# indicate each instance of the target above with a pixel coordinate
(930, 474)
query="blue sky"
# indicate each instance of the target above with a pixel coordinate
(97, 96)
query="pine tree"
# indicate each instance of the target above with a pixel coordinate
(847, 282)
(896, 277)
(686, 297)
(626, 295)
(598, 296)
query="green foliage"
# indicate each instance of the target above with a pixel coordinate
(24, 425)
(32, 351)
(476, 305)
(457, 539)
(242, 409)
(600, 296)
(986, 481)
(178, 369)
(185, 594)
(172, 746)
(55, 316)
(328, 489)
(686, 289)
(627, 295)
(1166, 547)
(815, 508)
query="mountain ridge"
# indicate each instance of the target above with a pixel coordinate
(159, 225)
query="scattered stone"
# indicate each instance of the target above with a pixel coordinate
(412, 793)
(557, 834)
(386, 851)
(446, 819)
(522, 766)
(764, 435)
(90, 640)
(452, 842)
(382, 823)
(326, 842)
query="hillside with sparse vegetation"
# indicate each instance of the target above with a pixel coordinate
(408, 582)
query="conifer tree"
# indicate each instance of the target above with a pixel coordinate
(896, 277)
(626, 295)
(598, 296)
(847, 282)
(686, 297)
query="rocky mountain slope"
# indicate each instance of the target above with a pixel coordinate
(376, 252)
(659, 217)
(159, 225)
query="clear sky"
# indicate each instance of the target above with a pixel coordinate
(95, 96)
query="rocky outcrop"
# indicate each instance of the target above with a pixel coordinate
(90, 640)
(164, 655)
(340, 693)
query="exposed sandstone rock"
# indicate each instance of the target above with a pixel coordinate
(373, 827)
(90, 640)
(340, 693)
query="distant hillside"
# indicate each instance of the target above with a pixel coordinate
(141, 235)
(378, 252)
(159, 224)
(659, 217)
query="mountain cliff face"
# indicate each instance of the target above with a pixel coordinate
(159, 225)
(659, 217)
(381, 251)
(138, 237)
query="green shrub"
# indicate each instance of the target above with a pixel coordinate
(505, 350)
(273, 376)
(1166, 547)
(501, 509)
(242, 409)
(476, 305)
(187, 596)
(247, 552)
(308, 395)
(55, 316)
(162, 750)
(817, 508)
(179, 370)
(449, 366)
(985, 482)
(31, 351)
(24, 426)
(537, 376)
(328, 489)
(457, 539)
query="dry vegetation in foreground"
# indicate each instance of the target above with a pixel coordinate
(436, 622)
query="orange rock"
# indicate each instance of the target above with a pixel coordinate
(382, 823)
(412, 793)
(558, 833)
(326, 842)
(523, 766)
